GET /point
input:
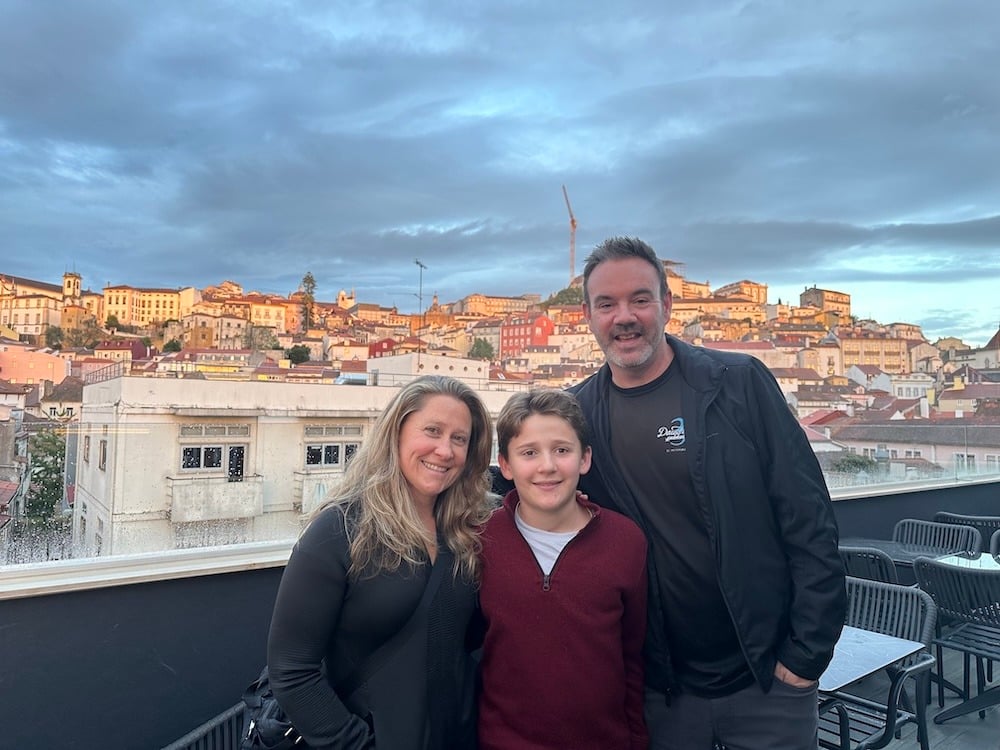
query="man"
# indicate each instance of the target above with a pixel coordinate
(699, 448)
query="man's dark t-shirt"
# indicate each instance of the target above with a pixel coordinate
(649, 443)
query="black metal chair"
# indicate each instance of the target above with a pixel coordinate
(223, 732)
(870, 563)
(986, 525)
(937, 538)
(903, 612)
(971, 597)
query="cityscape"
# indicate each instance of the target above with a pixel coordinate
(147, 419)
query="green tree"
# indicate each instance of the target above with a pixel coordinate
(172, 346)
(259, 337)
(308, 301)
(571, 295)
(852, 463)
(54, 337)
(298, 354)
(481, 349)
(86, 337)
(112, 322)
(47, 454)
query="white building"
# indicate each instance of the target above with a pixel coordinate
(168, 463)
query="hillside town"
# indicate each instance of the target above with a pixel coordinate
(189, 417)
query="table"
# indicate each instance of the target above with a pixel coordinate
(861, 652)
(982, 561)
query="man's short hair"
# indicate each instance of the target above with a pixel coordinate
(618, 248)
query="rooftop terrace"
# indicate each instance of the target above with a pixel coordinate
(134, 652)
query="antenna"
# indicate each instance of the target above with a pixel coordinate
(572, 237)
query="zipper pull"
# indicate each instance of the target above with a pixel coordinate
(545, 582)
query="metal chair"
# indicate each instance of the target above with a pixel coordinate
(903, 612)
(223, 732)
(970, 596)
(870, 563)
(937, 538)
(986, 525)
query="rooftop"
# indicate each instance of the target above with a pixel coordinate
(156, 644)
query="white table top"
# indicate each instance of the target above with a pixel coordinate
(860, 653)
(984, 561)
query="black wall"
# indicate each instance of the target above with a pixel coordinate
(874, 517)
(133, 666)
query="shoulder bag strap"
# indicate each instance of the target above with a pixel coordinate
(384, 653)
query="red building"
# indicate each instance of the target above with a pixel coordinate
(519, 331)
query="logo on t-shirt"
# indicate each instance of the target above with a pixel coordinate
(674, 434)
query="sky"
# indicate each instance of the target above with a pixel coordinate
(851, 145)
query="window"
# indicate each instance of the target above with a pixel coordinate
(86, 448)
(202, 457)
(965, 462)
(329, 452)
(220, 453)
(102, 455)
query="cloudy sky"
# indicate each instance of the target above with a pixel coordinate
(850, 145)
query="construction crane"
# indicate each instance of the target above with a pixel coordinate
(572, 237)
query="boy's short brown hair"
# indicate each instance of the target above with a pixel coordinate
(548, 401)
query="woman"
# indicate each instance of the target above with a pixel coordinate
(411, 500)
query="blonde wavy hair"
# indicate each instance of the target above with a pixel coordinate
(382, 524)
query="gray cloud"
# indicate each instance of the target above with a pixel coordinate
(791, 143)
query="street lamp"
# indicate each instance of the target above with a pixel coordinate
(420, 297)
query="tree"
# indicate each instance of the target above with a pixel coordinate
(53, 337)
(112, 322)
(172, 346)
(47, 453)
(298, 354)
(481, 349)
(571, 295)
(86, 336)
(308, 300)
(260, 337)
(852, 463)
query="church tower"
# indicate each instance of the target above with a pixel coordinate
(71, 288)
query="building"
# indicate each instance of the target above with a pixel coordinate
(402, 368)
(20, 363)
(827, 300)
(29, 307)
(956, 446)
(790, 379)
(689, 309)
(765, 351)
(135, 306)
(491, 306)
(966, 399)
(169, 463)
(520, 331)
(985, 358)
(751, 290)
(863, 347)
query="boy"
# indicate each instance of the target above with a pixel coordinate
(563, 595)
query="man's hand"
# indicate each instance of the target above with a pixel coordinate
(789, 677)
